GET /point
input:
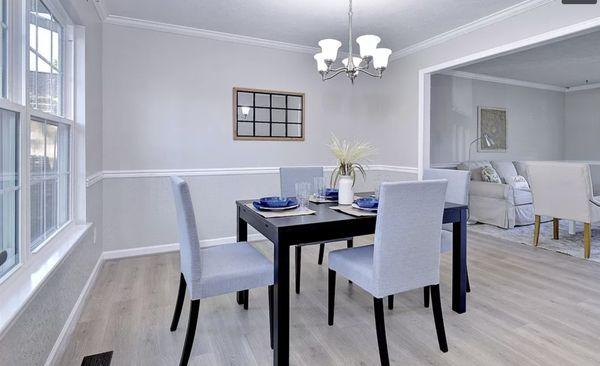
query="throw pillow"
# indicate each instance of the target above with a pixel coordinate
(489, 174)
(518, 182)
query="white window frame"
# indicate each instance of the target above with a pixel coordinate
(67, 107)
(20, 284)
(17, 100)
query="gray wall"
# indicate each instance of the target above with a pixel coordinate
(582, 125)
(535, 120)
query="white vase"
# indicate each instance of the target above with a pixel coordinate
(346, 193)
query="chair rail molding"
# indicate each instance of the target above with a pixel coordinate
(155, 173)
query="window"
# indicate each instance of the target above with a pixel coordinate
(9, 188)
(4, 46)
(267, 115)
(46, 82)
(49, 179)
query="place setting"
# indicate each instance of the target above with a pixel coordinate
(275, 206)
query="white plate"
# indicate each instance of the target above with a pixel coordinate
(364, 209)
(263, 208)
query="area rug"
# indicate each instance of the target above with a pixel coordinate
(566, 244)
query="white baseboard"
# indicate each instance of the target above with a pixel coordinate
(67, 331)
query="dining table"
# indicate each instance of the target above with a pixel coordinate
(326, 225)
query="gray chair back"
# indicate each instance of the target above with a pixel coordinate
(189, 246)
(407, 236)
(289, 176)
(458, 183)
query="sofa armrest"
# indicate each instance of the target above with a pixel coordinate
(491, 190)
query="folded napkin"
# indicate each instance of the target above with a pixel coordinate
(285, 213)
(353, 211)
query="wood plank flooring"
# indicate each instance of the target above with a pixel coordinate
(528, 306)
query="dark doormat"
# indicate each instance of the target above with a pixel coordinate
(100, 359)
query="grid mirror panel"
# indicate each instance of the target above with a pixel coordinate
(264, 115)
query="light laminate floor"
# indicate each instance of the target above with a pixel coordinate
(527, 307)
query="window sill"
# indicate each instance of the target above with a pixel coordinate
(17, 290)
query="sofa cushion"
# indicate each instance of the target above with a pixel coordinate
(518, 182)
(521, 167)
(505, 169)
(522, 197)
(489, 174)
(474, 166)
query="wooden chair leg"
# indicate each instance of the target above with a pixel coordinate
(246, 296)
(426, 296)
(587, 240)
(331, 297)
(178, 303)
(191, 332)
(321, 253)
(298, 267)
(536, 230)
(555, 228)
(380, 327)
(437, 316)
(270, 290)
(391, 302)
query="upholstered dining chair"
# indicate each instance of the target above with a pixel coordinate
(288, 177)
(212, 271)
(564, 191)
(456, 192)
(404, 256)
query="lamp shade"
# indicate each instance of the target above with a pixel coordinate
(321, 65)
(355, 60)
(368, 44)
(381, 57)
(329, 48)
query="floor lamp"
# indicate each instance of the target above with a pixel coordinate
(489, 142)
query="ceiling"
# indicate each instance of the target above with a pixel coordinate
(399, 23)
(566, 63)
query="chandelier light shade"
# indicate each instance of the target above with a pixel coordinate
(381, 56)
(368, 43)
(329, 49)
(355, 60)
(352, 66)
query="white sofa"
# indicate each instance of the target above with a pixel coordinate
(499, 204)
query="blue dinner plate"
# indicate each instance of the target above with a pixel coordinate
(367, 202)
(277, 202)
(266, 204)
(331, 193)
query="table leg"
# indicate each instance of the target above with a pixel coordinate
(282, 305)
(242, 235)
(459, 264)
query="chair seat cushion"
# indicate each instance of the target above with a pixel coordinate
(355, 264)
(230, 268)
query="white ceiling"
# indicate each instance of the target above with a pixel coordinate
(566, 63)
(400, 23)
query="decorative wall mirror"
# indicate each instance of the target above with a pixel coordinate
(268, 115)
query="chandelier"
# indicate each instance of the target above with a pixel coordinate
(352, 66)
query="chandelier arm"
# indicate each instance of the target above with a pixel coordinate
(327, 77)
(364, 71)
(338, 69)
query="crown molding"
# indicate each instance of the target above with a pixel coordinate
(208, 34)
(499, 80)
(583, 87)
(101, 9)
(470, 27)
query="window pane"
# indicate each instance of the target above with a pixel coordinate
(4, 47)
(46, 37)
(9, 190)
(50, 179)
